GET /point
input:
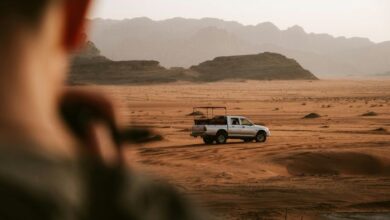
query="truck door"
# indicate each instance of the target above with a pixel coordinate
(248, 128)
(234, 127)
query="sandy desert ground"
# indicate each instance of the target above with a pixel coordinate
(332, 167)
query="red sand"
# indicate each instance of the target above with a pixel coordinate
(330, 164)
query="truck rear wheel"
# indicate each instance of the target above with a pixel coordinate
(261, 136)
(208, 140)
(221, 137)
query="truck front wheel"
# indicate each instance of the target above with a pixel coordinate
(221, 137)
(261, 136)
(208, 140)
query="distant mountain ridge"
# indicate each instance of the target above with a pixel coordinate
(185, 42)
(90, 67)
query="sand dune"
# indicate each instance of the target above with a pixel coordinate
(335, 163)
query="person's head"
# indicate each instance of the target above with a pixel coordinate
(36, 37)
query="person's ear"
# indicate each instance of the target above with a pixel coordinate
(75, 21)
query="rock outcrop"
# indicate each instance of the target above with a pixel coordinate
(265, 66)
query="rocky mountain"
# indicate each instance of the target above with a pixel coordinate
(90, 67)
(184, 42)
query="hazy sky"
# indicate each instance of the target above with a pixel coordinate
(363, 18)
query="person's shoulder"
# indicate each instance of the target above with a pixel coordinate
(37, 186)
(120, 193)
(148, 198)
(43, 187)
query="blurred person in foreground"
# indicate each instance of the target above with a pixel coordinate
(47, 170)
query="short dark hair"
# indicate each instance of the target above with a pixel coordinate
(16, 14)
(23, 11)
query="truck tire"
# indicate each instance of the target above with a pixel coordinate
(261, 136)
(208, 140)
(221, 137)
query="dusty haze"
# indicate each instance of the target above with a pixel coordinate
(350, 18)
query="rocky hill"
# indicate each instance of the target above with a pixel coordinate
(89, 54)
(90, 67)
(265, 66)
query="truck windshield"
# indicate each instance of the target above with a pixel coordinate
(245, 122)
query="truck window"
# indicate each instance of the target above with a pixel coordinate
(245, 122)
(219, 120)
(235, 121)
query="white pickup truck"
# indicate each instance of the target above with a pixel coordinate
(221, 128)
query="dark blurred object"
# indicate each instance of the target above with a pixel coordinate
(81, 110)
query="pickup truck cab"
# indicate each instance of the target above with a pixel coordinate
(221, 128)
